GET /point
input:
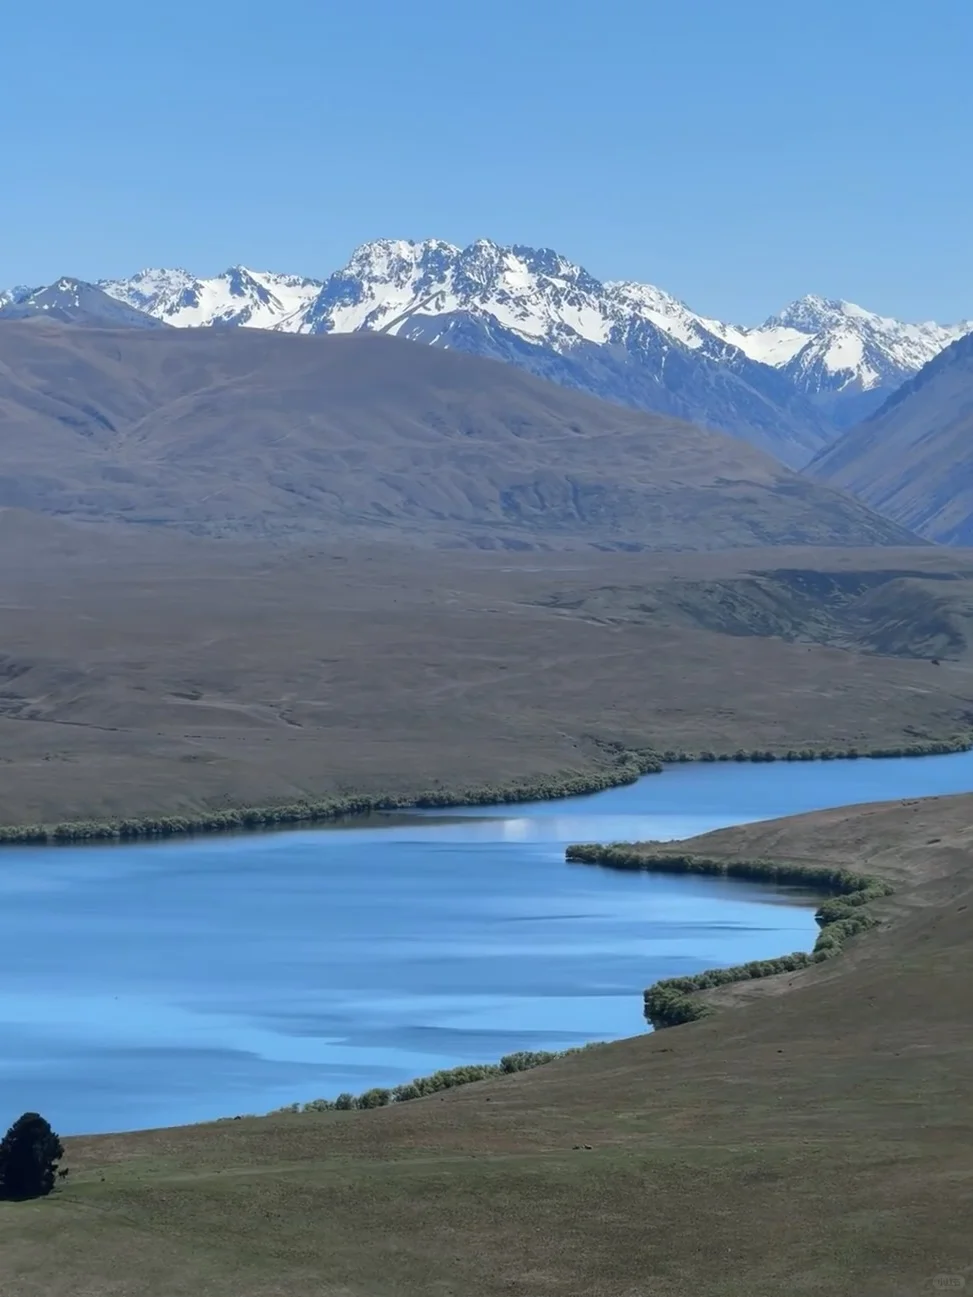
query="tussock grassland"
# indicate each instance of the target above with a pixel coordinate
(173, 685)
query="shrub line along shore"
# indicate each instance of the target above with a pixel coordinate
(675, 1000)
(445, 1079)
(625, 767)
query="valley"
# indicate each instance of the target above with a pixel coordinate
(248, 578)
(241, 570)
(486, 651)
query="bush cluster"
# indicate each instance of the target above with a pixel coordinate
(920, 748)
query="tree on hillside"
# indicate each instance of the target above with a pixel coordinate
(29, 1154)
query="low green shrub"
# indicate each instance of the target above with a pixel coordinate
(446, 1079)
(377, 1097)
(526, 1059)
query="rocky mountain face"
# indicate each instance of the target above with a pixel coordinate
(788, 386)
(912, 458)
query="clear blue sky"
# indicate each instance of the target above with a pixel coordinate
(737, 154)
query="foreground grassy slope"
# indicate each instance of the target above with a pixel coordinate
(179, 676)
(811, 1137)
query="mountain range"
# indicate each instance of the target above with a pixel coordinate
(788, 386)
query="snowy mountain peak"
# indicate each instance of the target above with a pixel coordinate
(10, 296)
(850, 348)
(397, 260)
(238, 296)
(389, 285)
(811, 314)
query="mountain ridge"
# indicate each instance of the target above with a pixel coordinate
(910, 459)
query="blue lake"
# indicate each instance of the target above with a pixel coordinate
(180, 981)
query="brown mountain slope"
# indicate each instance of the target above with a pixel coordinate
(247, 432)
(913, 459)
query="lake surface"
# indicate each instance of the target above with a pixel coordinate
(179, 981)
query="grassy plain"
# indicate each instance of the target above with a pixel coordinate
(152, 675)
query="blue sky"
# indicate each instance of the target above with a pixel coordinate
(737, 154)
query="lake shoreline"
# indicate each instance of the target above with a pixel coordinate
(628, 766)
(673, 1000)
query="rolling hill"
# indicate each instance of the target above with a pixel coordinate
(236, 431)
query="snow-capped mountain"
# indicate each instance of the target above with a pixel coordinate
(532, 307)
(252, 298)
(787, 385)
(535, 293)
(10, 296)
(73, 301)
(836, 361)
(850, 360)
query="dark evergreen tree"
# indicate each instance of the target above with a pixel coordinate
(29, 1154)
